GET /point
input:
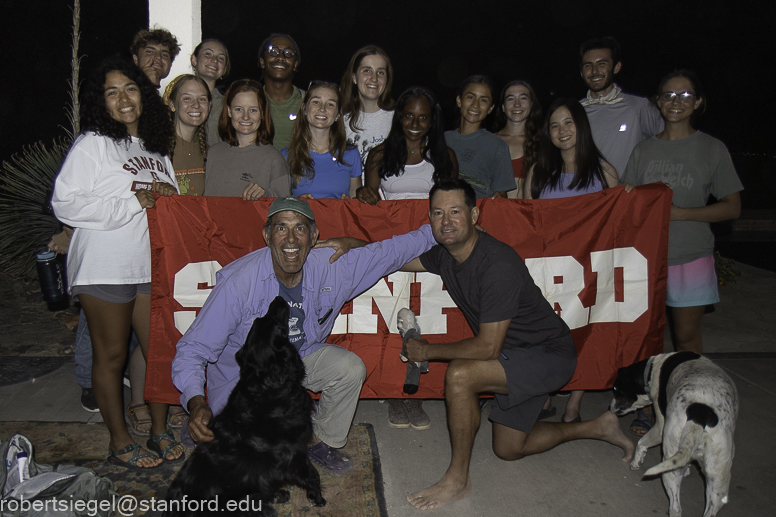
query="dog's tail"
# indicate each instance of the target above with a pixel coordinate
(699, 417)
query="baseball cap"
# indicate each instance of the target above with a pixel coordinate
(282, 204)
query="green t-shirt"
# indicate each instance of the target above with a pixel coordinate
(283, 118)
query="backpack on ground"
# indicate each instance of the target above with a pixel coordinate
(42, 490)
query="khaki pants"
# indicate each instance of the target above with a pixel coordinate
(338, 375)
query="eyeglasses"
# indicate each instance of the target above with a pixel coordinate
(683, 97)
(275, 51)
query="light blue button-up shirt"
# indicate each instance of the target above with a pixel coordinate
(245, 288)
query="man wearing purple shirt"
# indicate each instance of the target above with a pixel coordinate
(316, 289)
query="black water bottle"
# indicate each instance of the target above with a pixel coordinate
(51, 275)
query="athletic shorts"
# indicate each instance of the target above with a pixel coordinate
(532, 374)
(692, 284)
(114, 293)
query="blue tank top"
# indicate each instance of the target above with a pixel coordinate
(562, 189)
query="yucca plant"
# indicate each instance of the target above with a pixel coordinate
(26, 221)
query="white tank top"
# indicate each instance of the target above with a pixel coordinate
(413, 183)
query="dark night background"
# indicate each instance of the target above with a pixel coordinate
(435, 44)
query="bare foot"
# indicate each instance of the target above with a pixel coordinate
(609, 428)
(439, 495)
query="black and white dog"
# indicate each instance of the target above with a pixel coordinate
(261, 435)
(696, 405)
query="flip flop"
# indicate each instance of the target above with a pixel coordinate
(131, 463)
(130, 416)
(153, 444)
(331, 459)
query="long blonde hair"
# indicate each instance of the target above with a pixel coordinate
(299, 160)
(201, 134)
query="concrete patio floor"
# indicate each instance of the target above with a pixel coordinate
(582, 478)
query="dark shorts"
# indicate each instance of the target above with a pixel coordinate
(532, 374)
(114, 293)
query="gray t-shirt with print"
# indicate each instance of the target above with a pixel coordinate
(694, 167)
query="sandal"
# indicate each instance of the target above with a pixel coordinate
(155, 440)
(331, 459)
(176, 419)
(642, 423)
(133, 421)
(131, 463)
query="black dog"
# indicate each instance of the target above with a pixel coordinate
(261, 436)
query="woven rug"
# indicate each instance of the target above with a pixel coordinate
(359, 493)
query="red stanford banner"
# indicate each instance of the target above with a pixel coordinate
(599, 259)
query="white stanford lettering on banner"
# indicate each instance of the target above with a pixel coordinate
(561, 280)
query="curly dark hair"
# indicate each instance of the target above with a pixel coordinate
(435, 150)
(154, 128)
(158, 36)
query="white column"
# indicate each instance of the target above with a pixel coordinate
(183, 18)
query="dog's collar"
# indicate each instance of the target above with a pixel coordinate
(648, 375)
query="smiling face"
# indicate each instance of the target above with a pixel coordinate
(598, 70)
(321, 108)
(452, 222)
(210, 63)
(371, 77)
(191, 106)
(476, 103)
(416, 120)
(245, 113)
(676, 111)
(123, 100)
(563, 130)
(290, 239)
(517, 103)
(279, 68)
(155, 61)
